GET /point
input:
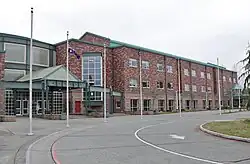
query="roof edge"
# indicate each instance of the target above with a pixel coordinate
(79, 41)
(89, 33)
(59, 66)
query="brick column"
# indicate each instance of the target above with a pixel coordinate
(2, 66)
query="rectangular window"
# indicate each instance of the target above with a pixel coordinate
(170, 85)
(230, 79)
(134, 105)
(145, 84)
(234, 80)
(186, 72)
(208, 76)
(224, 78)
(169, 69)
(145, 65)
(193, 73)
(118, 104)
(160, 85)
(160, 67)
(203, 89)
(161, 105)
(133, 83)
(15, 53)
(202, 75)
(146, 105)
(13, 74)
(170, 105)
(186, 87)
(133, 63)
(209, 89)
(194, 88)
(40, 56)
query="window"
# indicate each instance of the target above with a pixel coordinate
(133, 83)
(133, 63)
(209, 89)
(170, 86)
(159, 67)
(13, 74)
(203, 89)
(208, 76)
(134, 105)
(15, 53)
(202, 75)
(146, 105)
(230, 79)
(186, 72)
(54, 58)
(186, 87)
(118, 104)
(234, 80)
(170, 105)
(224, 78)
(194, 88)
(92, 73)
(169, 69)
(193, 73)
(145, 65)
(160, 85)
(161, 105)
(40, 56)
(145, 84)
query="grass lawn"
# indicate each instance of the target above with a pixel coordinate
(239, 128)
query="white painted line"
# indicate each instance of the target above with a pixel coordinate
(169, 151)
(177, 137)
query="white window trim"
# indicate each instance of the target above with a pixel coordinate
(135, 85)
(193, 73)
(9, 61)
(186, 72)
(144, 62)
(208, 76)
(168, 70)
(47, 57)
(159, 83)
(202, 75)
(185, 87)
(194, 86)
(146, 82)
(160, 70)
(130, 59)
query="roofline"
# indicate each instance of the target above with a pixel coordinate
(2, 52)
(23, 38)
(79, 41)
(86, 33)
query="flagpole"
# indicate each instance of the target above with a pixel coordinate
(105, 91)
(179, 82)
(67, 90)
(219, 85)
(30, 87)
(140, 84)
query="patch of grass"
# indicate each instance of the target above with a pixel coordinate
(240, 128)
(166, 112)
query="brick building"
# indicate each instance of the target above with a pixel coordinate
(159, 77)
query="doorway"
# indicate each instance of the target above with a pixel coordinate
(18, 108)
(25, 107)
(77, 107)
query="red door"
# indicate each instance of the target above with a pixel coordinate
(77, 107)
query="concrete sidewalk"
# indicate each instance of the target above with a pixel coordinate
(14, 140)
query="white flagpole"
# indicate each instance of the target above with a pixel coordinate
(67, 90)
(179, 82)
(140, 84)
(30, 87)
(219, 85)
(105, 85)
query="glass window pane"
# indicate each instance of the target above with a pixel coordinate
(85, 77)
(98, 65)
(85, 65)
(97, 82)
(40, 56)
(85, 59)
(98, 71)
(85, 71)
(15, 52)
(91, 65)
(91, 71)
(12, 74)
(98, 59)
(97, 76)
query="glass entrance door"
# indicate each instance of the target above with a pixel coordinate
(18, 107)
(25, 107)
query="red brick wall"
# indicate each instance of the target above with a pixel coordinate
(95, 39)
(2, 66)
(171, 77)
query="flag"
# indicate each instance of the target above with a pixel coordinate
(72, 51)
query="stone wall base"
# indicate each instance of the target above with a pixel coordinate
(5, 118)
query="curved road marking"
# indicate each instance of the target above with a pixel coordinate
(169, 151)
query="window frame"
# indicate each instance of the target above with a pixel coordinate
(186, 86)
(145, 62)
(224, 78)
(130, 62)
(161, 108)
(160, 64)
(171, 83)
(203, 89)
(169, 68)
(47, 57)
(14, 70)
(148, 102)
(202, 75)
(186, 72)
(194, 86)
(134, 107)
(209, 89)
(136, 85)
(17, 62)
(193, 73)
(147, 82)
(158, 83)
(209, 77)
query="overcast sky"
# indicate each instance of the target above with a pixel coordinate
(198, 29)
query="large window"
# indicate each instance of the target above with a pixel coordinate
(15, 53)
(40, 56)
(161, 105)
(92, 73)
(134, 105)
(13, 74)
(146, 105)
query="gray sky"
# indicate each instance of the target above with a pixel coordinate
(198, 29)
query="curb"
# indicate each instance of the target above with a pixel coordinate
(223, 135)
